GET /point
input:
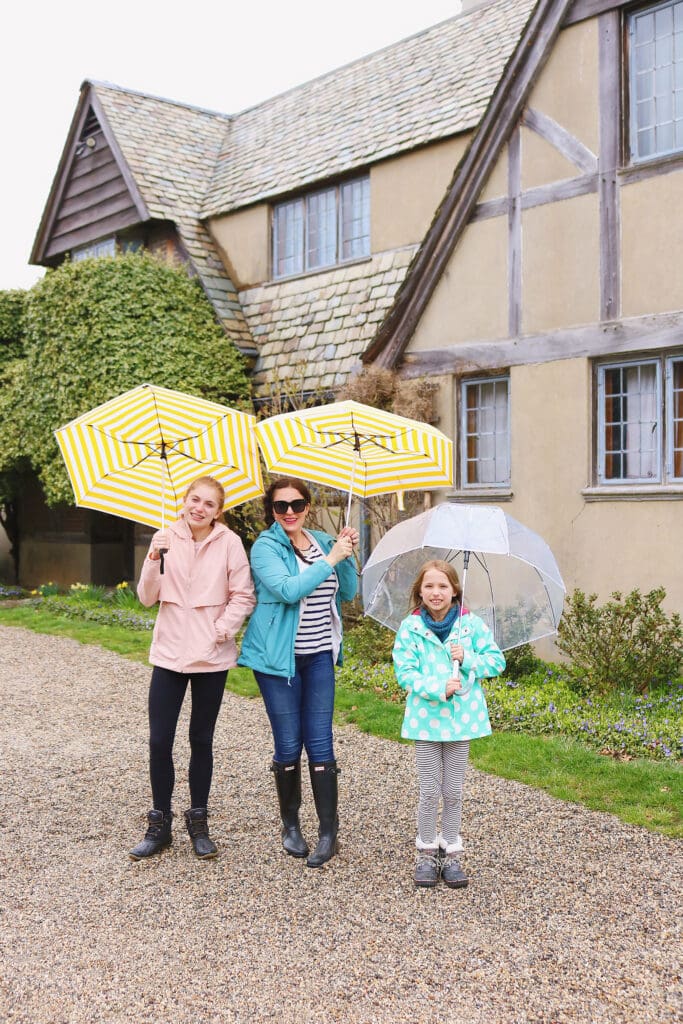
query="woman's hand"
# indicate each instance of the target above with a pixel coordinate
(159, 544)
(341, 549)
(354, 535)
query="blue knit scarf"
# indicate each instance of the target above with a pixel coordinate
(443, 628)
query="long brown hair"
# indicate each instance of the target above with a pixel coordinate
(449, 572)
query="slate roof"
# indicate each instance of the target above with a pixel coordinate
(171, 149)
(189, 164)
(433, 85)
(313, 330)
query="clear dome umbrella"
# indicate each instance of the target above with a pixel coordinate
(509, 575)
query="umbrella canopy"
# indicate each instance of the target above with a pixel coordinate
(135, 455)
(356, 448)
(513, 582)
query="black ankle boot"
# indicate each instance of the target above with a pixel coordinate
(324, 783)
(157, 837)
(202, 844)
(288, 786)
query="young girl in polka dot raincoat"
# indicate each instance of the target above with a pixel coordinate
(442, 713)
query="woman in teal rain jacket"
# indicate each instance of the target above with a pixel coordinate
(292, 644)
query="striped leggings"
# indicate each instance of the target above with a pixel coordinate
(441, 772)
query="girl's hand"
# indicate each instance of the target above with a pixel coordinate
(457, 652)
(159, 544)
(453, 686)
(354, 535)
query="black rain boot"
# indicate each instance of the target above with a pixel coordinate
(157, 837)
(197, 826)
(288, 786)
(324, 783)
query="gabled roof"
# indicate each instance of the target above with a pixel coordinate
(165, 152)
(503, 111)
(171, 150)
(431, 86)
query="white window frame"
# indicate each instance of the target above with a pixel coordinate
(495, 462)
(633, 422)
(655, 425)
(322, 229)
(674, 419)
(655, 80)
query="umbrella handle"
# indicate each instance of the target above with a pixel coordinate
(162, 552)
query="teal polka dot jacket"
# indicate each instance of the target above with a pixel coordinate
(423, 667)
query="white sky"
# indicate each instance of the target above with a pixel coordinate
(218, 54)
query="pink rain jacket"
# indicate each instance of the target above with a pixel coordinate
(204, 595)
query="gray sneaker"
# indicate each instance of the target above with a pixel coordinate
(452, 873)
(427, 867)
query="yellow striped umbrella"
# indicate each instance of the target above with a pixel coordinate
(356, 448)
(135, 455)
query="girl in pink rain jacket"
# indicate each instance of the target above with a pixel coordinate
(204, 594)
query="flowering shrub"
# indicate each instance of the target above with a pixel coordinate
(623, 724)
(627, 642)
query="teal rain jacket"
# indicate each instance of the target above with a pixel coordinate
(268, 644)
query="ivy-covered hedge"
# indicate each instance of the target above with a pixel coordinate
(12, 309)
(95, 328)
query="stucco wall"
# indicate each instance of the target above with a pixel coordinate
(567, 88)
(243, 239)
(652, 245)
(405, 192)
(560, 265)
(470, 300)
(600, 546)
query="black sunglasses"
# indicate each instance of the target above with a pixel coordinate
(297, 506)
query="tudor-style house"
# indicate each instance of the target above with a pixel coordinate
(491, 203)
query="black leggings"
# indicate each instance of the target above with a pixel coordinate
(166, 695)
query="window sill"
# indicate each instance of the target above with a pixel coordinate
(650, 166)
(480, 496)
(286, 278)
(636, 492)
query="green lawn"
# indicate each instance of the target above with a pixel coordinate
(639, 792)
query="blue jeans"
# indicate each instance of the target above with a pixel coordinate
(300, 709)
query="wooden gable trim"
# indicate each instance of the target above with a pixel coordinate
(581, 10)
(501, 116)
(125, 208)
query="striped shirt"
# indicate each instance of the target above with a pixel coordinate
(315, 625)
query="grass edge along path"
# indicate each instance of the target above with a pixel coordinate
(638, 792)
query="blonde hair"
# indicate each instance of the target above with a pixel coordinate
(210, 481)
(449, 572)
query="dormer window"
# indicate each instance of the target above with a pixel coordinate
(322, 228)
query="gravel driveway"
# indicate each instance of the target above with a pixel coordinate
(570, 916)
